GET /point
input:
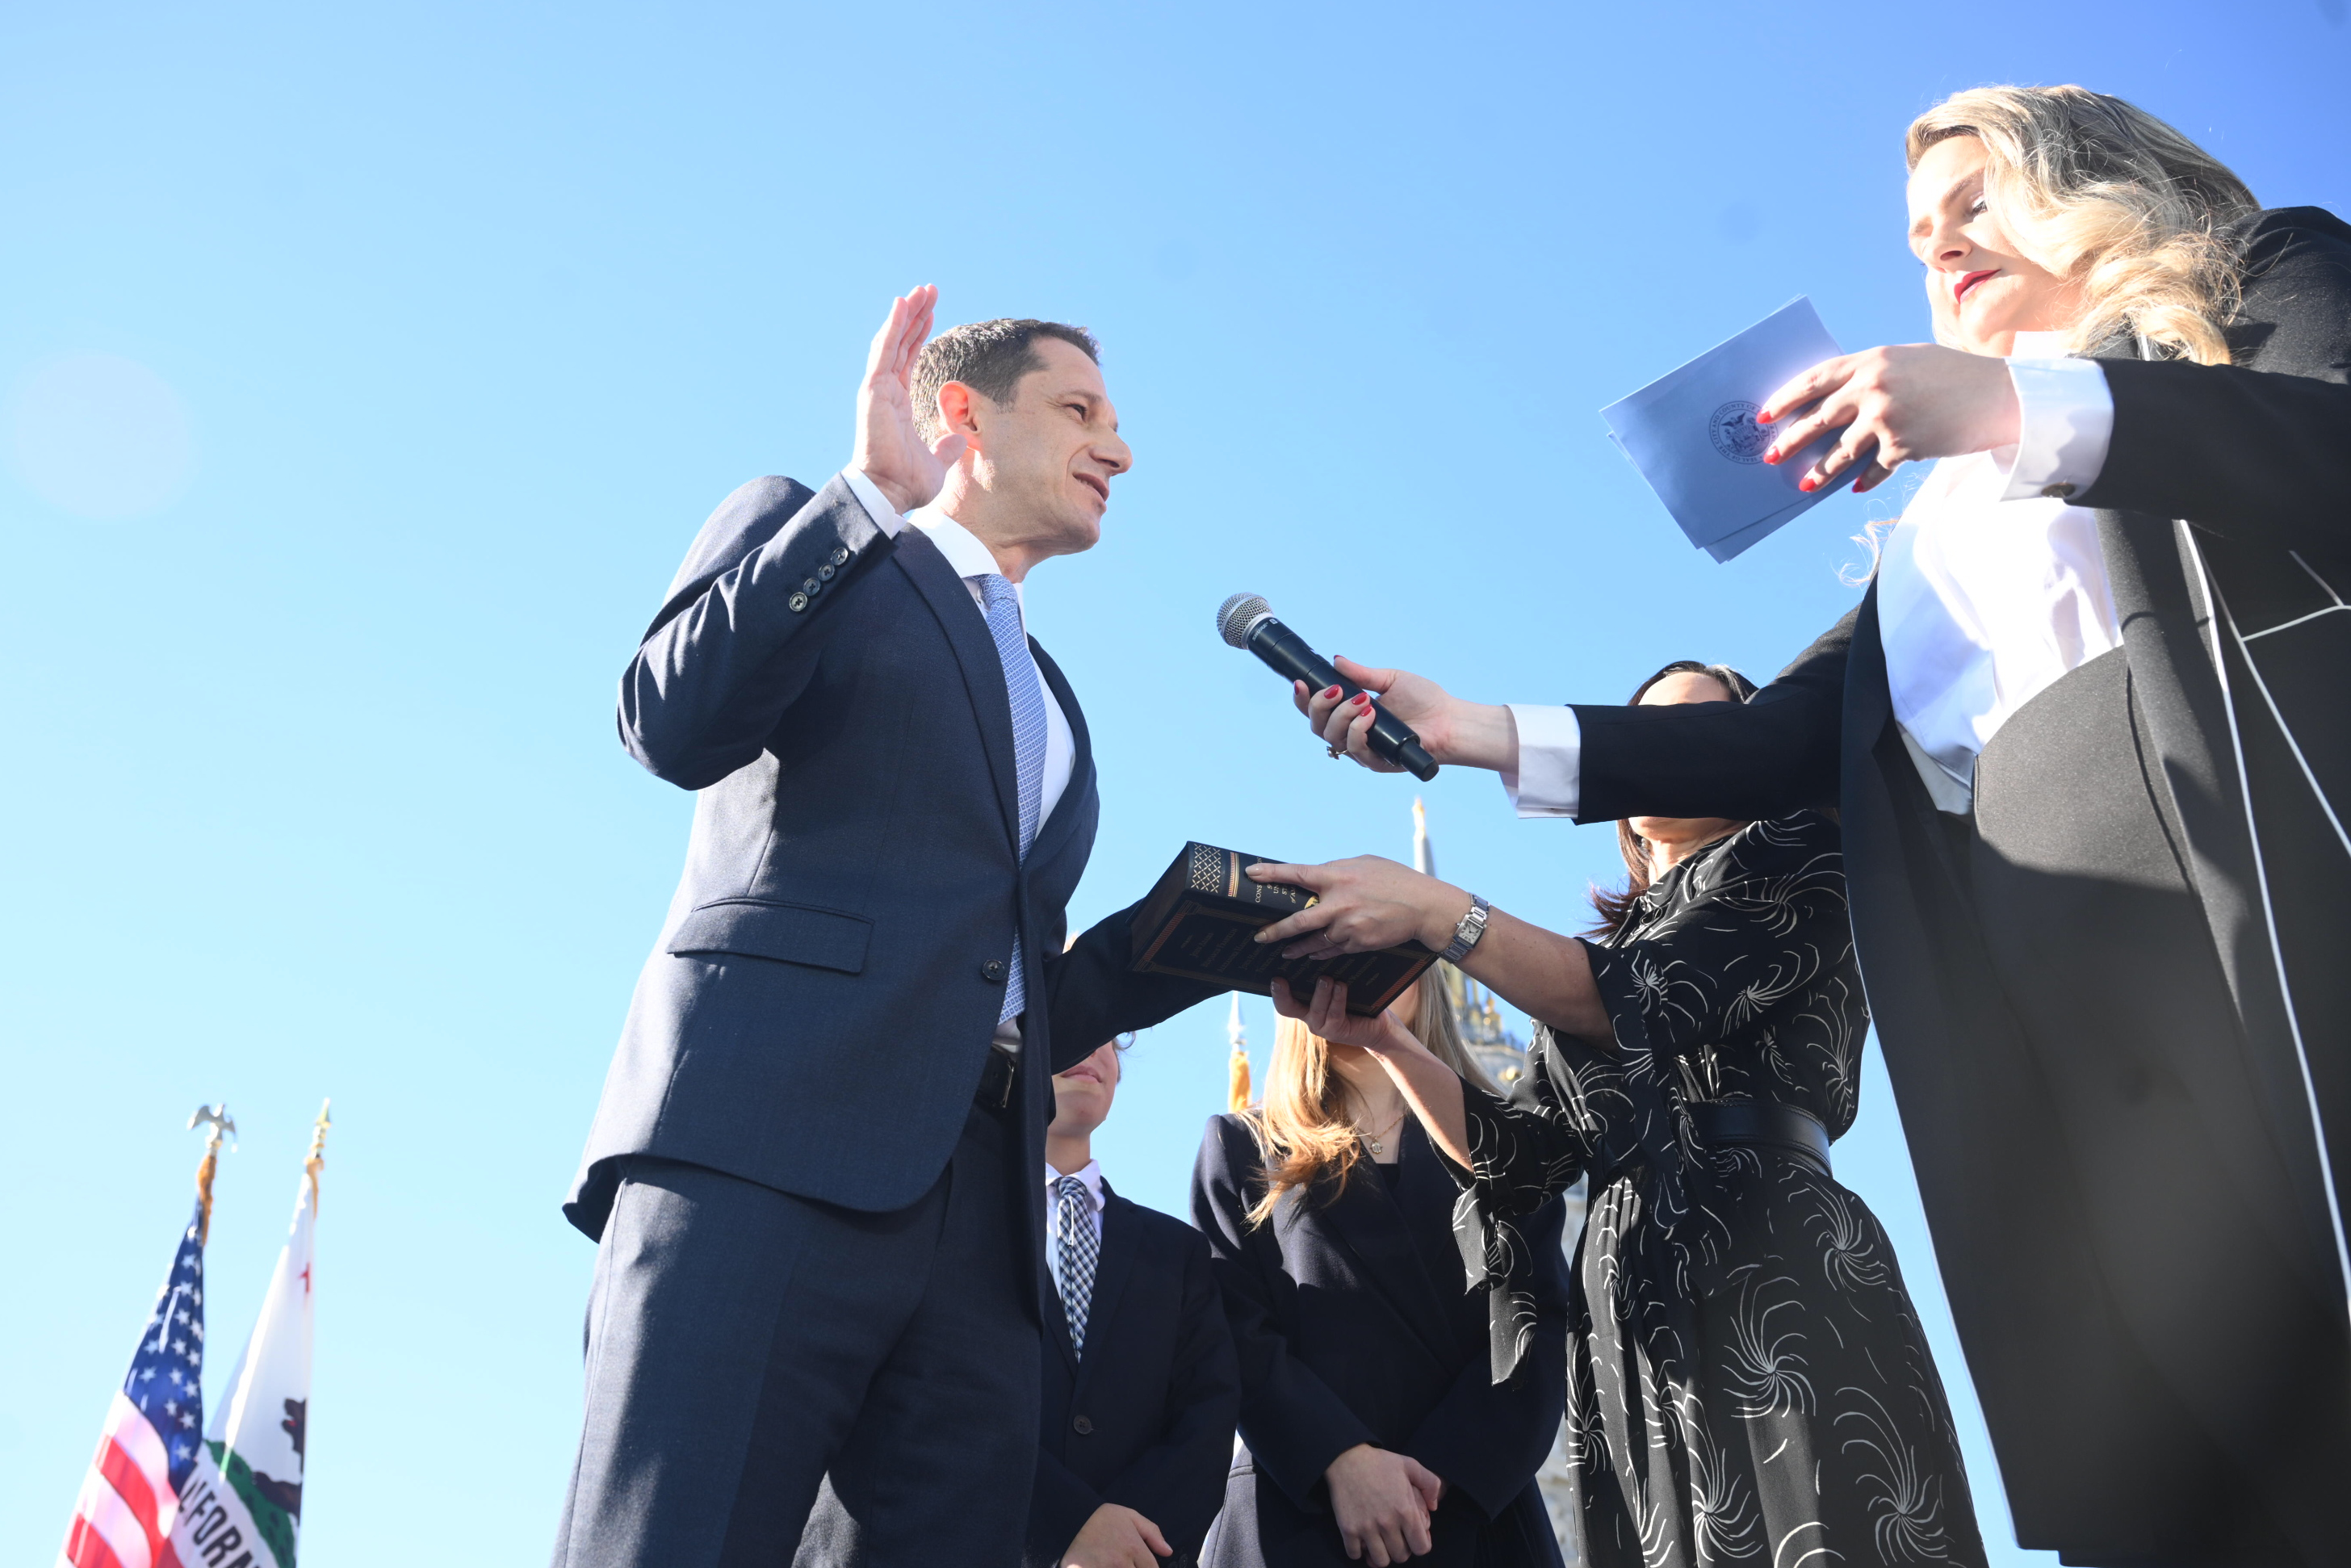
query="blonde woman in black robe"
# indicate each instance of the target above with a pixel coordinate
(2088, 743)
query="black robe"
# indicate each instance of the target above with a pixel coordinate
(2111, 1000)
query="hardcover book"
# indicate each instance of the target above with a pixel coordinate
(1202, 914)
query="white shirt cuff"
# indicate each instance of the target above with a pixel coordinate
(1546, 777)
(869, 495)
(2065, 418)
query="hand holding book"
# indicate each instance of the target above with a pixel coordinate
(1202, 917)
(1361, 905)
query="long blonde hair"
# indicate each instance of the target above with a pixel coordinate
(2102, 193)
(1303, 1129)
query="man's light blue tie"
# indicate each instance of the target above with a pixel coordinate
(1027, 694)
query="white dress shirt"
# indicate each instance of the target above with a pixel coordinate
(1990, 588)
(1091, 1175)
(971, 561)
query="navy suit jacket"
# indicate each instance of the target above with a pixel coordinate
(1146, 1417)
(816, 1010)
(1355, 1325)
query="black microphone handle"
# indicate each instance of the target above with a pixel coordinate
(1288, 653)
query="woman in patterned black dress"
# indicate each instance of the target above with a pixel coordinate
(1746, 1380)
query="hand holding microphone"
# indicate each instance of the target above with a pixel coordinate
(1366, 729)
(1397, 708)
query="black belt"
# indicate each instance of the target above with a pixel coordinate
(996, 1081)
(1763, 1125)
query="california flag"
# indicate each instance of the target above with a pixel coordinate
(243, 1505)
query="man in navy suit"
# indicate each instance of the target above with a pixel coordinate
(811, 1176)
(1142, 1387)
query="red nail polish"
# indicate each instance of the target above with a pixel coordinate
(1771, 457)
(1806, 485)
(1331, 693)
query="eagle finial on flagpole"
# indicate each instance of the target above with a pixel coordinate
(222, 1126)
(1236, 1091)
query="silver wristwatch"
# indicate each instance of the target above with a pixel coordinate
(1466, 934)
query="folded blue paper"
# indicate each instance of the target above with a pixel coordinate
(1692, 434)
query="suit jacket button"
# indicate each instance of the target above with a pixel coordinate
(797, 603)
(1082, 1426)
(841, 555)
(809, 585)
(825, 573)
(992, 971)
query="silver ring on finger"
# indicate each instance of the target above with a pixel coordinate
(1335, 752)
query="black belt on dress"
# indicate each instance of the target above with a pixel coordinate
(1763, 1125)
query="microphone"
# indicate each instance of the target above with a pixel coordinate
(1246, 621)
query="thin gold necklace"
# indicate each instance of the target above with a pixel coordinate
(1372, 1140)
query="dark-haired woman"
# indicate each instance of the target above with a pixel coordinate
(1746, 1380)
(1371, 1429)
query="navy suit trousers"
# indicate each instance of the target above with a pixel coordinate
(773, 1379)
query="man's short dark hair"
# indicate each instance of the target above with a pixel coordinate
(989, 357)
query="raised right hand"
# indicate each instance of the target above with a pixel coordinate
(1382, 1500)
(907, 471)
(1473, 734)
(1115, 1536)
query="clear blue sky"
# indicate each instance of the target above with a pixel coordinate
(365, 372)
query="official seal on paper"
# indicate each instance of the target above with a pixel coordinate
(1735, 434)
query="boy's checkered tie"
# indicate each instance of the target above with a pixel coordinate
(1077, 1247)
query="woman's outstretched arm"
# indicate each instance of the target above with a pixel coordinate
(1367, 902)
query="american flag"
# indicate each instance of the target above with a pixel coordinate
(124, 1517)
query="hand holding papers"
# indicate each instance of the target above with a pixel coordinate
(1692, 434)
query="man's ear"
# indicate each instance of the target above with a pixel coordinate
(958, 410)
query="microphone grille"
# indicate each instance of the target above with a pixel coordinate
(1237, 617)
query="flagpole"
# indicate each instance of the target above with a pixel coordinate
(222, 1125)
(1237, 1066)
(318, 1156)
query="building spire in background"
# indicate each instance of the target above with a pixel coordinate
(1504, 1057)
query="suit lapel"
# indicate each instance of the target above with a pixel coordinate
(1377, 1228)
(974, 650)
(1056, 1320)
(1068, 810)
(1116, 1261)
(1868, 700)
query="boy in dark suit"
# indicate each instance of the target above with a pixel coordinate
(1141, 1388)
